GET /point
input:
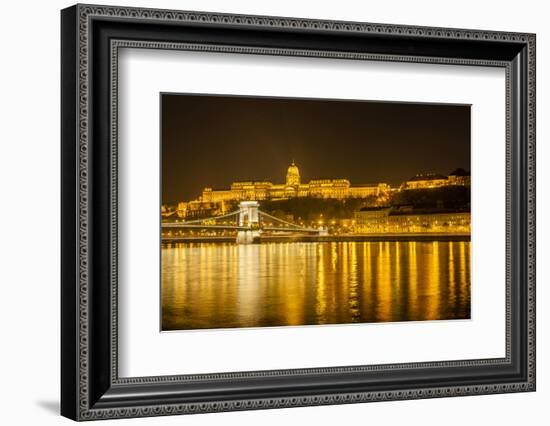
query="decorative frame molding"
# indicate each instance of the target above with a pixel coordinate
(91, 37)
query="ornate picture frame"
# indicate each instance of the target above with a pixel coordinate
(91, 37)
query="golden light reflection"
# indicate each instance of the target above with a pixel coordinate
(434, 277)
(334, 255)
(465, 265)
(412, 301)
(320, 293)
(228, 285)
(451, 266)
(383, 283)
(353, 298)
(397, 260)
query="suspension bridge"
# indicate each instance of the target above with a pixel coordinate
(249, 222)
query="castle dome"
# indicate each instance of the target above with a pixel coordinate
(293, 175)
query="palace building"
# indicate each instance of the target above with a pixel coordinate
(293, 187)
(457, 177)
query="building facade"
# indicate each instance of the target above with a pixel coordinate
(292, 188)
(380, 221)
(426, 181)
(431, 180)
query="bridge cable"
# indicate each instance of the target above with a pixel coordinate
(211, 218)
(284, 221)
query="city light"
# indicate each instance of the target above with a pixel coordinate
(379, 209)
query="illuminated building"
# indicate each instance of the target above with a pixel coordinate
(374, 220)
(431, 180)
(459, 177)
(426, 181)
(292, 188)
(293, 175)
(181, 211)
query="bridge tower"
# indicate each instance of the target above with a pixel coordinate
(248, 217)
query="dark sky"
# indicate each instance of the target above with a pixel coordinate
(215, 140)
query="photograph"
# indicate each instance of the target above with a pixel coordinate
(267, 209)
(293, 212)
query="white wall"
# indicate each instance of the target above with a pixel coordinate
(29, 176)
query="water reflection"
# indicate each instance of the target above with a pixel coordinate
(227, 285)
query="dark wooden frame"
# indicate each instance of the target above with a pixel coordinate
(90, 386)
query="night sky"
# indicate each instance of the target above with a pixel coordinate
(211, 141)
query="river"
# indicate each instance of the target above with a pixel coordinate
(216, 285)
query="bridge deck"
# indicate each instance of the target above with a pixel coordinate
(405, 237)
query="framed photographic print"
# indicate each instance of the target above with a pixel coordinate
(263, 212)
(275, 248)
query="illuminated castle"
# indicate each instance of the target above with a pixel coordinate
(432, 180)
(293, 187)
